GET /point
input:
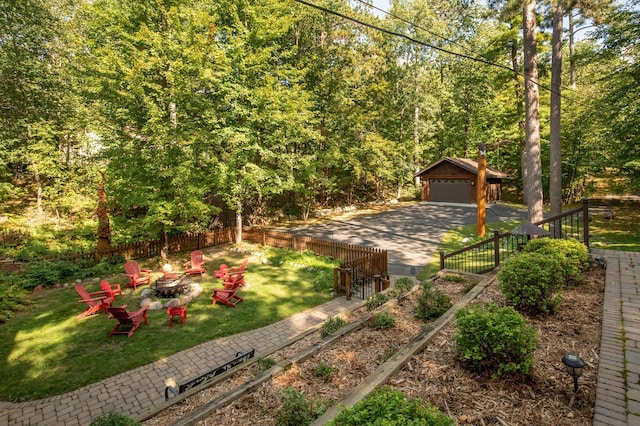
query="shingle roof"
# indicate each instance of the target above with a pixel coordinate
(466, 164)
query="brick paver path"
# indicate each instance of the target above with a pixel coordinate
(618, 389)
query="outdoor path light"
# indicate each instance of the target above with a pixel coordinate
(574, 366)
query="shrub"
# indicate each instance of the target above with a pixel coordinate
(376, 300)
(402, 285)
(389, 407)
(432, 303)
(455, 278)
(324, 370)
(49, 273)
(332, 325)
(572, 255)
(497, 340)
(323, 281)
(12, 297)
(113, 419)
(530, 281)
(469, 284)
(264, 364)
(296, 409)
(383, 320)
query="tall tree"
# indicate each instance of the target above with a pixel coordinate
(533, 175)
(555, 155)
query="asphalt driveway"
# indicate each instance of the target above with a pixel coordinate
(410, 234)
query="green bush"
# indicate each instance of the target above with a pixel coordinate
(432, 303)
(376, 300)
(402, 285)
(332, 325)
(113, 419)
(324, 370)
(49, 273)
(389, 407)
(323, 281)
(455, 278)
(264, 364)
(297, 410)
(383, 320)
(12, 297)
(496, 340)
(530, 282)
(572, 255)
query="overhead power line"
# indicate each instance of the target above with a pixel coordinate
(481, 60)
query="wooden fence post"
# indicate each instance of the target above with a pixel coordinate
(585, 220)
(496, 248)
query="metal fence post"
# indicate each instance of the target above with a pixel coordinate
(441, 260)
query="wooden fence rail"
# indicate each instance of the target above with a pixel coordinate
(487, 255)
(365, 264)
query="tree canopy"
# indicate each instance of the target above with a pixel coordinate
(269, 108)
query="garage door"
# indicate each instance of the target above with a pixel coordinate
(449, 190)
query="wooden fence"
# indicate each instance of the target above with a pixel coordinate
(364, 269)
(487, 255)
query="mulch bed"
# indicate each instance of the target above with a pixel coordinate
(436, 375)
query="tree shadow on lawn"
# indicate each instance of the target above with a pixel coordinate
(49, 351)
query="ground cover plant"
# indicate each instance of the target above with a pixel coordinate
(47, 341)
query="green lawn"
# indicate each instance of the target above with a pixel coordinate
(47, 350)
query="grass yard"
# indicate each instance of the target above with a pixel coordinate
(48, 351)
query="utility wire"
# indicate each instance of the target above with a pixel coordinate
(441, 49)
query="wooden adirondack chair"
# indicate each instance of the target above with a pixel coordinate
(224, 270)
(168, 272)
(234, 281)
(227, 296)
(97, 301)
(111, 289)
(196, 264)
(133, 271)
(129, 321)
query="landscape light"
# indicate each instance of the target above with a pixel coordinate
(574, 366)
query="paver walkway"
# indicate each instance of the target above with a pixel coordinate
(618, 388)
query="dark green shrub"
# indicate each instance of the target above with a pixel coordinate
(297, 410)
(530, 282)
(113, 419)
(323, 281)
(402, 285)
(12, 297)
(495, 340)
(389, 407)
(382, 320)
(572, 255)
(332, 325)
(432, 303)
(376, 300)
(49, 273)
(324, 370)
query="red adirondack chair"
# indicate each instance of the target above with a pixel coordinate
(234, 281)
(168, 272)
(97, 301)
(196, 264)
(129, 321)
(134, 273)
(111, 289)
(224, 270)
(227, 296)
(177, 311)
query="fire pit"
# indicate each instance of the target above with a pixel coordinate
(170, 287)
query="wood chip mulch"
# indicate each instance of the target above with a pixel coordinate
(436, 375)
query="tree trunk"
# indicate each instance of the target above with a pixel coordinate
(533, 164)
(572, 52)
(239, 223)
(520, 109)
(104, 229)
(555, 155)
(416, 147)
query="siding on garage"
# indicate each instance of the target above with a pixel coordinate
(454, 180)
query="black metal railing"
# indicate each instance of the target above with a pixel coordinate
(487, 255)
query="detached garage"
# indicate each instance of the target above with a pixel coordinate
(453, 180)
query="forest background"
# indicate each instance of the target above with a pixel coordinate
(184, 111)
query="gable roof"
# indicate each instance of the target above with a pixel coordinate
(467, 164)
